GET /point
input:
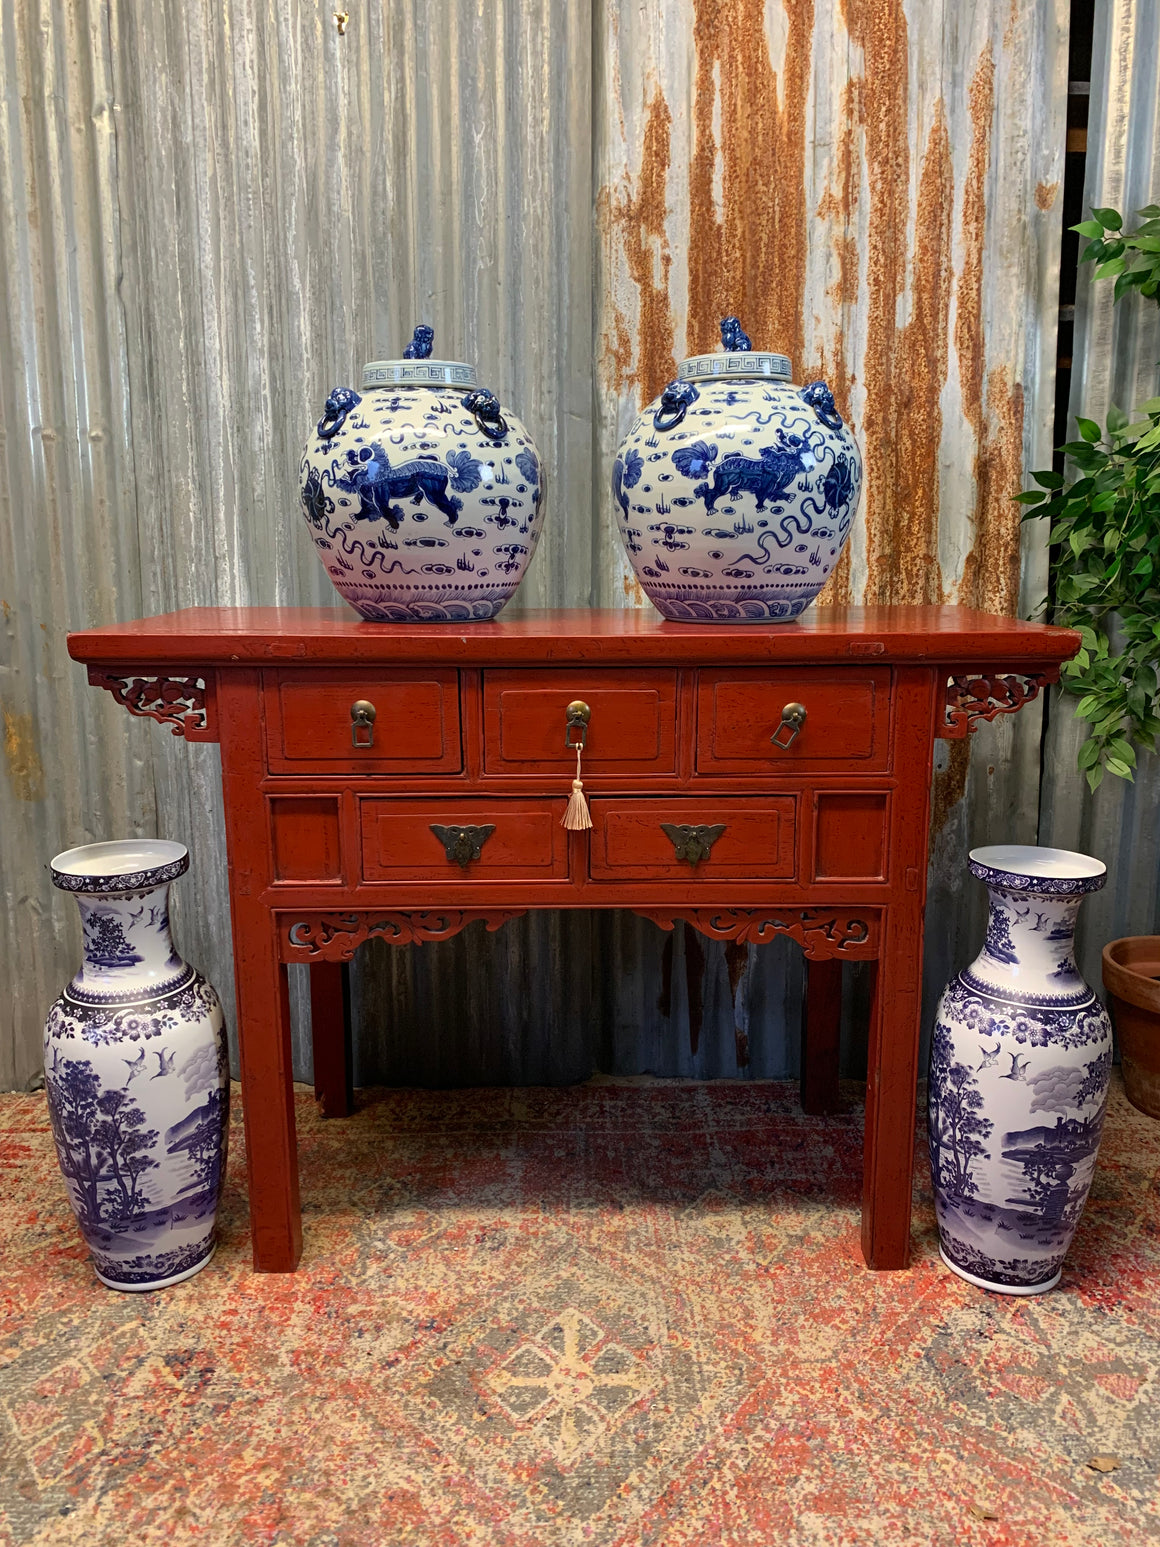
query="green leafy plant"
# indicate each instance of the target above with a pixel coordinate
(1105, 538)
(1132, 257)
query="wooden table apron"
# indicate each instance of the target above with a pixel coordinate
(329, 843)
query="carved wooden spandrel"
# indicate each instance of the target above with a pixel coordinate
(971, 700)
(312, 937)
(847, 934)
(184, 704)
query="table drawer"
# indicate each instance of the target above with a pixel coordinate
(415, 727)
(632, 728)
(846, 725)
(659, 839)
(493, 840)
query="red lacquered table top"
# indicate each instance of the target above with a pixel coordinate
(955, 635)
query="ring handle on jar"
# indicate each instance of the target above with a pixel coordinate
(821, 400)
(337, 406)
(484, 408)
(674, 404)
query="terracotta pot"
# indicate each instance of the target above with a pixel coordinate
(1132, 979)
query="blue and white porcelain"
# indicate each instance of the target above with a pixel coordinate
(1019, 1073)
(424, 498)
(735, 490)
(137, 1072)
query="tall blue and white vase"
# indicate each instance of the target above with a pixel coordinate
(735, 490)
(137, 1072)
(1019, 1073)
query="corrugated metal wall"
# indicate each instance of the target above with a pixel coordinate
(211, 214)
(1117, 360)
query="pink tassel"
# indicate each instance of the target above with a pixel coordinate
(577, 817)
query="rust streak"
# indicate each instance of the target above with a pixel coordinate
(749, 257)
(838, 204)
(950, 785)
(22, 756)
(1045, 194)
(991, 570)
(922, 353)
(640, 220)
(904, 369)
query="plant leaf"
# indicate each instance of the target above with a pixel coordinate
(1110, 219)
(1117, 420)
(1089, 429)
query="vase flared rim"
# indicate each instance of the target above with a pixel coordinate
(419, 373)
(1028, 868)
(737, 365)
(121, 865)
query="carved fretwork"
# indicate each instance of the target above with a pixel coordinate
(335, 937)
(846, 933)
(970, 700)
(185, 704)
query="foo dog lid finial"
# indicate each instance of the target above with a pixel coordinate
(416, 368)
(739, 359)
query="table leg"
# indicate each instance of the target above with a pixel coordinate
(331, 1037)
(892, 1076)
(267, 1092)
(821, 1027)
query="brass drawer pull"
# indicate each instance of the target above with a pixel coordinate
(793, 717)
(692, 843)
(362, 714)
(576, 717)
(463, 844)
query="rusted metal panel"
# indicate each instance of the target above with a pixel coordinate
(1116, 351)
(212, 214)
(873, 187)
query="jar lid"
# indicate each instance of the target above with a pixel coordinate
(751, 363)
(417, 369)
(736, 359)
(418, 373)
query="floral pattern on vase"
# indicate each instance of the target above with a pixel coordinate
(424, 498)
(1020, 1063)
(137, 1073)
(735, 491)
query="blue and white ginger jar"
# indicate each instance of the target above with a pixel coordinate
(424, 498)
(137, 1073)
(735, 490)
(1019, 1072)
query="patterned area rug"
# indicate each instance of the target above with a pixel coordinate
(610, 1316)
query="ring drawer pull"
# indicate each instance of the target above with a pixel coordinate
(692, 843)
(463, 844)
(576, 717)
(793, 717)
(362, 714)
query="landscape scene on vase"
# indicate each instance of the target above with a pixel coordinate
(1008, 1201)
(369, 504)
(118, 1166)
(1046, 937)
(112, 936)
(779, 506)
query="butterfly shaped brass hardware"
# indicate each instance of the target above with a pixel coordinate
(692, 843)
(463, 844)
